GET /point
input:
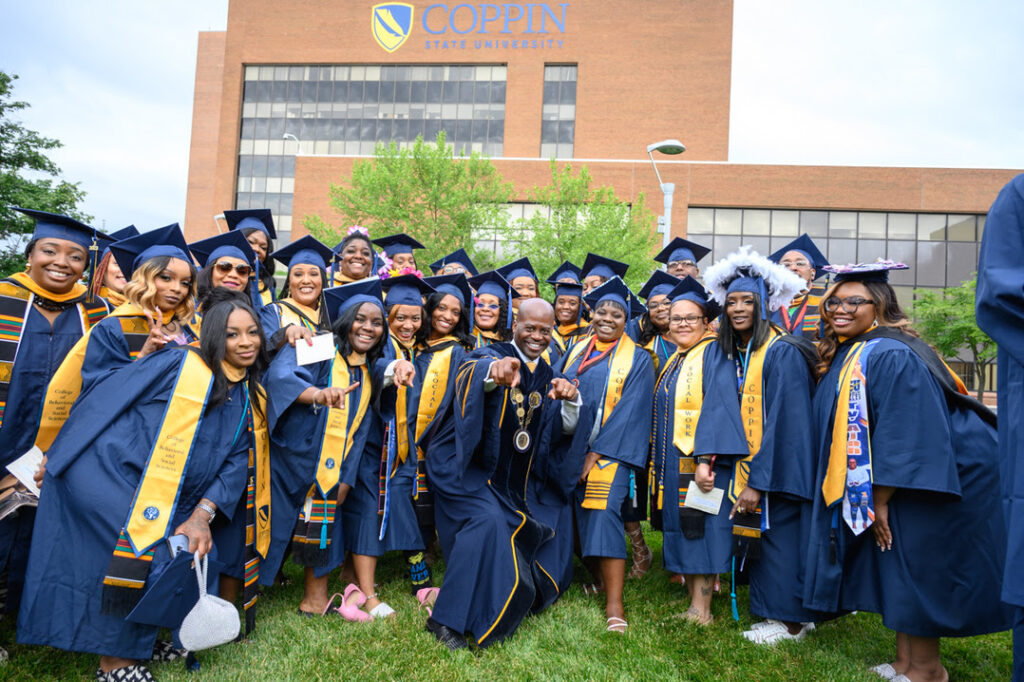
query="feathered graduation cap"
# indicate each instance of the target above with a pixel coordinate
(747, 270)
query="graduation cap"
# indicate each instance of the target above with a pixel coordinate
(865, 272)
(232, 244)
(681, 249)
(516, 269)
(164, 241)
(171, 592)
(397, 243)
(804, 245)
(405, 290)
(56, 226)
(252, 218)
(748, 271)
(659, 284)
(340, 299)
(494, 284)
(603, 267)
(455, 284)
(123, 233)
(305, 250)
(459, 256)
(565, 271)
(615, 290)
(689, 289)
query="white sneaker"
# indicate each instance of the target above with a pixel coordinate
(774, 633)
(884, 670)
(771, 621)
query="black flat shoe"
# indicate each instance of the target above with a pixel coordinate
(445, 635)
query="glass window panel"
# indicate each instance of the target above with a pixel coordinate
(551, 73)
(273, 184)
(242, 200)
(323, 129)
(786, 223)
(961, 228)
(496, 132)
(259, 165)
(352, 126)
(371, 91)
(482, 73)
(551, 92)
(372, 73)
(367, 130)
(871, 225)
(288, 166)
(402, 89)
(759, 244)
(778, 243)
(245, 147)
(723, 246)
(355, 91)
(961, 263)
(420, 73)
(904, 252)
(482, 92)
(548, 150)
(568, 93)
(463, 129)
(756, 222)
(449, 111)
(417, 91)
(466, 92)
(252, 73)
(499, 73)
(842, 224)
(728, 220)
(566, 131)
(244, 183)
(981, 226)
(415, 128)
(267, 73)
(931, 227)
(564, 151)
(902, 226)
(324, 91)
(905, 296)
(387, 73)
(387, 91)
(260, 147)
(249, 110)
(336, 147)
(464, 112)
(384, 130)
(249, 92)
(841, 250)
(451, 92)
(296, 73)
(288, 184)
(258, 185)
(568, 73)
(248, 128)
(870, 250)
(548, 131)
(431, 127)
(497, 92)
(814, 223)
(275, 165)
(434, 91)
(931, 263)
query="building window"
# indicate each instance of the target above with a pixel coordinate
(348, 109)
(558, 118)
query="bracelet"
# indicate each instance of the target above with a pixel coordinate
(209, 510)
(704, 459)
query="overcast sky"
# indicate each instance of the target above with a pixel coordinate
(876, 82)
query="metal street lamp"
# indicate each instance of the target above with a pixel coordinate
(672, 147)
(298, 142)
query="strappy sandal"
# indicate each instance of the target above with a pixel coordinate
(164, 651)
(129, 673)
(642, 554)
(330, 602)
(591, 589)
(350, 603)
(616, 624)
(426, 597)
(885, 671)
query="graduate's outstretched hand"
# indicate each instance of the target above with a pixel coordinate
(704, 475)
(156, 339)
(294, 332)
(197, 529)
(588, 464)
(333, 396)
(405, 372)
(746, 502)
(562, 389)
(505, 372)
(880, 528)
(40, 473)
(343, 489)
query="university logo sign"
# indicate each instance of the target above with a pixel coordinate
(391, 23)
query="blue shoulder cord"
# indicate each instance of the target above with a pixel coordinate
(744, 361)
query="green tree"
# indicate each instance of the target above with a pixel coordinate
(945, 319)
(23, 167)
(578, 217)
(425, 191)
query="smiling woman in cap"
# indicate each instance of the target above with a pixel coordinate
(569, 322)
(354, 257)
(309, 491)
(48, 311)
(906, 462)
(492, 312)
(801, 315)
(616, 376)
(257, 226)
(520, 275)
(298, 314)
(227, 260)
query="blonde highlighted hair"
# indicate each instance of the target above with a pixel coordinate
(141, 289)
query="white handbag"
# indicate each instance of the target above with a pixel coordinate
(212, 621)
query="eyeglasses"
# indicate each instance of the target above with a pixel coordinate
(801, 263)
(689, 320)
(850, 303)
(452, 269)
(488, 306)
(682, 264)
(242, 269)
(659, 305)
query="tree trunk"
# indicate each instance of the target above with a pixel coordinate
(979, 374)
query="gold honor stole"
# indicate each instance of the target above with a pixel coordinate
(261, 469)
(66, 384)
(292, 312)
(266, 294)
(157, 493)
(752, 417)
(563, 334)
(114, 298)
(434, 387)
(16, 295)
(601, 476)
(339, 431)
(401, 408)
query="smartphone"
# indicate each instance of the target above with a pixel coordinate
(176, 544)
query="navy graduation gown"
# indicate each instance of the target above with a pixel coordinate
(489, 536)
(107, 350)
(93, 470)
(43, 347)
(1000, 312)
(941, 457)
(783, 470)
(296, 433)
(719, 432)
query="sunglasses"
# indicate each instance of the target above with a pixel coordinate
(242, 270)
(488, 306)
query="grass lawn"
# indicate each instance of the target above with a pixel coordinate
(567, 642)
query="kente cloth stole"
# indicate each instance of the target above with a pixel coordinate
(752, 416)
(292, 312)
(388, 466)
(599, 484)
(257, 504)
(434, 387)
(804, 317)
(16, 298)
(157, 494)
(66, 384)
(485, 338)
(851, 442)
(311, 539)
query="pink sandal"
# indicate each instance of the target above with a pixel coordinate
(426, 597)
(350, 603)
